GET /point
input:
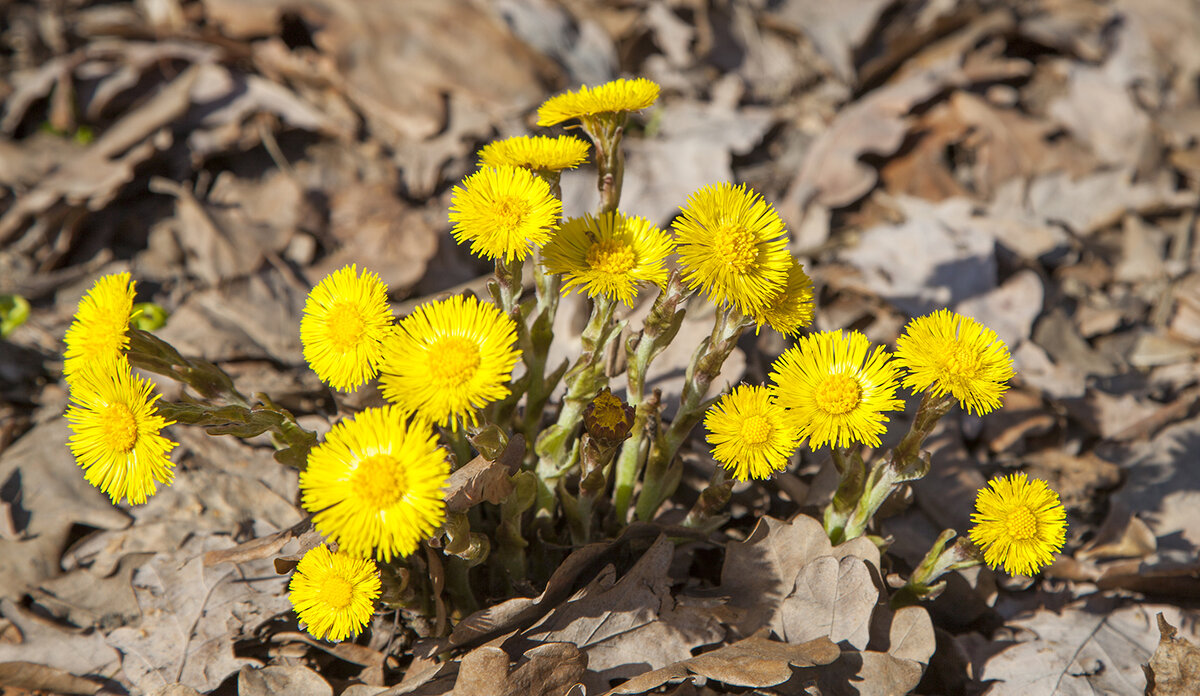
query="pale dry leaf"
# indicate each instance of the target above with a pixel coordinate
(869, 673)
(761, 571)
(1163, 485)
(549, 669)
(1090, 203)
(1083, 649)
(1174, 669)
(911, 636)
(838, 30)
(38, 677)
(294, 680)
(478, 480)
(46, 643)
(1009, 309)
(831, 598)
(633, 624)
(753, 662)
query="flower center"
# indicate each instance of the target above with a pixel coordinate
(962, 362)
(838, 394)
(1021, 523)
(756, 430)
(510, 213)
(119, 427)
(345, 327)
(735, 246)
(453, 360)
(610, 257)
(379, 481)
(337, 592)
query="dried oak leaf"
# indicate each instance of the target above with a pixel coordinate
(760, 572)
(294, 680)
(549, 669)
(1174, 669)
(833, 598)
(754, 662)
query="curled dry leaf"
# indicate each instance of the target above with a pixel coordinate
(1174, 669)
(549, 669)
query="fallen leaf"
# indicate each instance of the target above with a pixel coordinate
(831, 598)
(549, 669)
(36, 677)
(1174, 669)
(294, 680)
(46, 643)
(753, 662)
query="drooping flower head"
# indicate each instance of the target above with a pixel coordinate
(835, 391)
(535, 152)
(792, 307)
(946, 352)
(752, 436)
(616, 97)
(608, 255)
(448, 359)
(101, 322)
(375, 483)
(732, 244)
(346, 319)
(503, 212)
(116, 431)
(1019, 524)
(334, 593)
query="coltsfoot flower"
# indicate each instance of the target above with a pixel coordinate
(116, 431)
(1019, 524)
(334, 593)
(503, 212)
(375, 483)
(946, 352)
(608, 255)
(834, 390)
(752, 436)
(609, 98)
(733, 245)
(448, 359)
(792, 307)
(346, 319)
(536, 152)
(101, 322)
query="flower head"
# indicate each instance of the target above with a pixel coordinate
(503, 211)
(450, 358)
(946, 352)
(608, 255)
(608, 419)
(792, 307)
(835, 392)
(734, 246)
(613, 97)
(334, 593)
(1019, 524)
(536, 152)
(101, 323)
(346, 319)
(115, 431)
(751, 435)
(375, 483)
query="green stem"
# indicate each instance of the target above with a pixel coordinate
(660, 480)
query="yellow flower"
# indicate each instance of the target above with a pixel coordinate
(734, 246)
(608, 255)
(751, 435)
(448, 359)
(792, 307)
(375, 483)
(334, 593)
(346, 319)
(1019, 524)
(536, 152)
(115, 431)
(100, 325)
(503, 211)
(835, 392)
(611, 97)
(947, 352)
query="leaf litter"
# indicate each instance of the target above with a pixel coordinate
(1042, 159)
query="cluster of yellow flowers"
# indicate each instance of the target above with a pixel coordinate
(374, 484)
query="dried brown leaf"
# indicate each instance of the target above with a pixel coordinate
(1174, 669)
(831, 598)
(46, 643)
(475, 482)
(38, 677)
(294, 680)
(753, 662)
